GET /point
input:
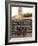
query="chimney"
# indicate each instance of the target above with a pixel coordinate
(20, 11)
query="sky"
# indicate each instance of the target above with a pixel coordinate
(24, 10)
